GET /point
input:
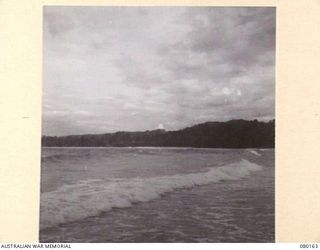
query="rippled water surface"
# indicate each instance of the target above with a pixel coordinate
(157, 195)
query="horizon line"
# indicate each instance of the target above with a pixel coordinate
(159, 129)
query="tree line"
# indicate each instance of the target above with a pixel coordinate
(230, 134)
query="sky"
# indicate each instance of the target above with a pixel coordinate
(108, 69)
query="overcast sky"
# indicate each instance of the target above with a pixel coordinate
(110, 69)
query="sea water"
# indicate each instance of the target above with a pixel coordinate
(157, 195)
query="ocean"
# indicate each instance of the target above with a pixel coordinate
(146, 194)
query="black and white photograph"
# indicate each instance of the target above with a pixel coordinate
(158, 124)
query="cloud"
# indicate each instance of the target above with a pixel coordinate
(160, 126)
(132, 68)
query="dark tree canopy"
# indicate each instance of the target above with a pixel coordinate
(231, 134)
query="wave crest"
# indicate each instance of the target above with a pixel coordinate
(91, 197)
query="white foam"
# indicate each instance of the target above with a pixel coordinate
(266, 149)
(255, 153)
(91, 197)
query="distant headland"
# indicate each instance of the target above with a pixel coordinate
(230, 134)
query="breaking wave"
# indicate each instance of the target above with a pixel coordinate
(91, 197)
(61, 157)
(255, 152)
